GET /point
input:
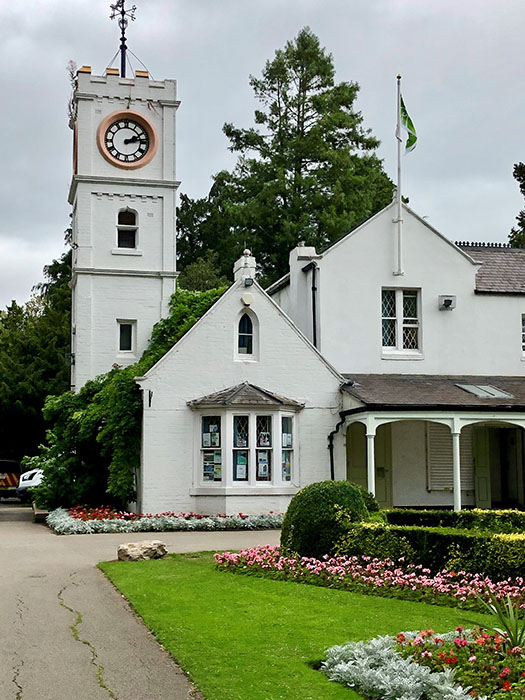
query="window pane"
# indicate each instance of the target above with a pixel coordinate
(264, 465)
(245, 346)
(287, 431)
(211, 431)
(389, 333)
(245, 324)
(126, 238)
(523, 332)
(127, 218)
(389, 303)
(240, 465)
(212, 465)
(410, 338)
(264, 431)
(240, 431)
(125, 338)
(410, 305)
(286, 462)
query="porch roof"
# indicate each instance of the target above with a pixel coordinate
(245, 394)
(433, 392)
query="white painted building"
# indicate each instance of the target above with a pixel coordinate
(411, 384)
(435, 393)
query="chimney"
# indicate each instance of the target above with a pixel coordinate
(244, 268)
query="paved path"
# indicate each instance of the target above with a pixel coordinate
(66, 633)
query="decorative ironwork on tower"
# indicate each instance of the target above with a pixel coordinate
(119, 9)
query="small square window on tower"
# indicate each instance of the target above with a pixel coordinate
(126, 336)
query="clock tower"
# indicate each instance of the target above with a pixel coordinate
(123, 220)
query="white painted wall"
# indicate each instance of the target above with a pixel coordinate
(481, 336)
(204, 361)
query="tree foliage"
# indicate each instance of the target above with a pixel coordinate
(306, 171)
(34, 346)
(203, 274)
(517, 234)
(92, 454)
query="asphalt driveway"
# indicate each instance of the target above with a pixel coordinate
(66, 633)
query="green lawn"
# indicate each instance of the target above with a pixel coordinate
(247, 638)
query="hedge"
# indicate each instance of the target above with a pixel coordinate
(509, 521)
(497, 555)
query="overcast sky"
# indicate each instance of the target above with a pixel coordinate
(463, 68)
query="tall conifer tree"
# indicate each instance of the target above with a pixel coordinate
(306, 171)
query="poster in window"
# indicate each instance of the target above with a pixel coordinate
(264, 439)
(287, 465)
(215, 439)
(208, 466)
(263, 467)
(212, 465)
(206, 439)
(241, 466)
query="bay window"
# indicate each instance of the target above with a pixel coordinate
(245, 448)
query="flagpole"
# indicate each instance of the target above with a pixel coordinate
(399, 218)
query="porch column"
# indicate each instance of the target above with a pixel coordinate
(370, 462)
(456, 470)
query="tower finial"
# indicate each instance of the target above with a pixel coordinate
(119, 9)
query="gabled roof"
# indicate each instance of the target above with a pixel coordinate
(502, 270)
(438, 392)
(245, 394)
(256, 288)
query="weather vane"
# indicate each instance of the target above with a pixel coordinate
(119, 9)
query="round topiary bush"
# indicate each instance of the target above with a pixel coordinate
(311, 527)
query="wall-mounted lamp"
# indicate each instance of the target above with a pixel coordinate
(446, 302)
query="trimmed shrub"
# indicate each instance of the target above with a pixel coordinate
(371, 504)
(313, 523)
(497, 555)
(476, 519)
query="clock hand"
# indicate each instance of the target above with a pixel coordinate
(133, 139)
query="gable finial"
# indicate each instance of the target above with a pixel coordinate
(118, 8)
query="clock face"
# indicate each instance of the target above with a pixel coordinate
(126, 140)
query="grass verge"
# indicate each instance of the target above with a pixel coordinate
(250, 638)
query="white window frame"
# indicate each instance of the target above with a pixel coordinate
(397, 351)
(118, 250)
(125, 322)
(227, 450)
(244, 356)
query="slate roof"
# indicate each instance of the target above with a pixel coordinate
(244, 394)
(503, 268)
(438, 392)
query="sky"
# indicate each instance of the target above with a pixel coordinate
(462, 65)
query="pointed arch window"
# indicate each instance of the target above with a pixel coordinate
(245, 337)
(127, 229)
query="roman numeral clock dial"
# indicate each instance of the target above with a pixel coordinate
(127, 139)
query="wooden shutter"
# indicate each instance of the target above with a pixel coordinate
(440, 461)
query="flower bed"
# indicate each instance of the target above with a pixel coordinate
(372, 576)
(83, 520)
(454, 666)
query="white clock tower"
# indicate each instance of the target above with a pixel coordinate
(123, 222)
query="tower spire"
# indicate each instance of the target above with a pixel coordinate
(118, 8)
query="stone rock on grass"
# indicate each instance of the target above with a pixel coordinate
(137, 551)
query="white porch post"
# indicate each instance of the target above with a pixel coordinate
(370, 461)
(457, 470)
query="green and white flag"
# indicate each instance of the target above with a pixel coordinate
(409, 127)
